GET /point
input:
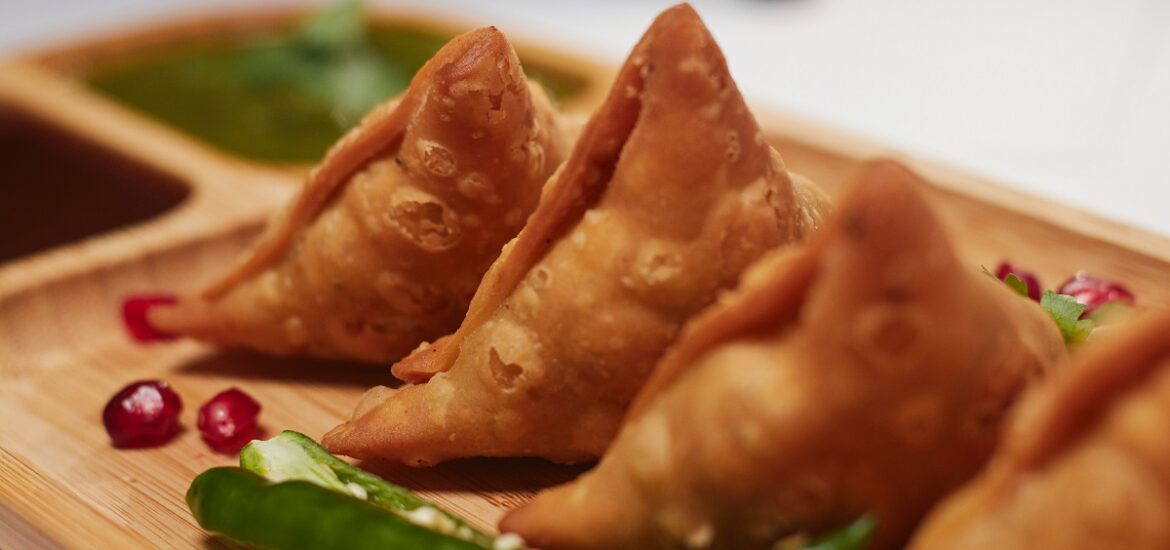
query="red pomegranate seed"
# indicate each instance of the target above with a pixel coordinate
(143, 414)
(1094, 292)
(228, 420)
(134, 316)
(1034, 290)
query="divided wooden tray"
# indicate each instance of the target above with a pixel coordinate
(63, 351)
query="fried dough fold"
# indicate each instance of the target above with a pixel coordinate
(866, 373)
(389, 237)
(1086, 462)
(670, 192)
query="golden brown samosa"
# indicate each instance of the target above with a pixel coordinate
(669, 193)
(863, 374)
(1086, 463)
(390, 236)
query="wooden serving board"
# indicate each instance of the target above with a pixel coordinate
(63, 351)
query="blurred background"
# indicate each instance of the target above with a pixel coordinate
(1068, 99)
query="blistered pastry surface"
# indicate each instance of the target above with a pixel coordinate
(392, 249)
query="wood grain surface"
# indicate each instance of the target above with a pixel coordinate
(63, 351)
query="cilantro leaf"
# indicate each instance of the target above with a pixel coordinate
(1017, 284)
(328, 60)
(1066, 311)
(854, 536)
(336, 28)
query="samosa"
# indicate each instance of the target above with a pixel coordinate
(865, 374)
(388, 239)
(670, 192)
(1086, 463)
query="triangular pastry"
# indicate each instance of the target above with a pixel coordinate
(386, 243)
(1086, 463)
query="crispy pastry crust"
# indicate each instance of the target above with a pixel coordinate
(864, 373)
(1086, 463)
(391, 234)
(669, 193)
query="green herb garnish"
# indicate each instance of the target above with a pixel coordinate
(854, 536)
(1017, 284)
(330, 60)
(1066, 312)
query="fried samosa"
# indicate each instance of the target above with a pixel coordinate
(1086, 463)
(863, 374)
(669, 193)
(388, 239)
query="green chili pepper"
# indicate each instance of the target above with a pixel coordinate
(291, 493)
(294, 456)
(298, 514)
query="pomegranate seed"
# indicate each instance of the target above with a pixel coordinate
(134, 316)
(228, 420)
(143, 414)
(1094, 292)
(1028, 277)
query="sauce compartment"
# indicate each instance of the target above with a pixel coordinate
(248, 85)
(58, 188)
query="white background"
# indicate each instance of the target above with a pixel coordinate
(1069, 99)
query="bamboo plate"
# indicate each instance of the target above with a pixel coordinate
(63, 351)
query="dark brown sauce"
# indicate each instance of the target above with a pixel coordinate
(56, 188)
